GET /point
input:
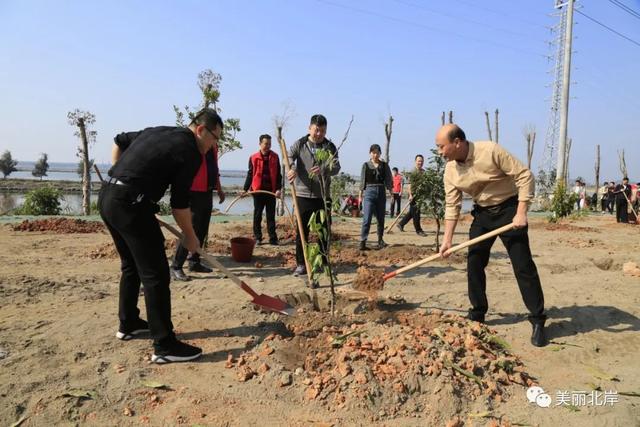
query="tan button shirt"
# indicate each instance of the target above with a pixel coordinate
(490, 175)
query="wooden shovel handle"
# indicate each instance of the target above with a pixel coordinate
(450, 251)
(287, 163)
(398, 217)
(211, 260)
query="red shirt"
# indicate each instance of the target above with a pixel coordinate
(397, 183)
(201, 180)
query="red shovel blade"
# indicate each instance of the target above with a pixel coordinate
(273, 304)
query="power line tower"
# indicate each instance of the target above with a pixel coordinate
(555, 138)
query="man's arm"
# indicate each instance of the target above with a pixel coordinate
(524, 181)
(116, 152)
(447, 240)
(183, 219)
(453, 204)
(249, 178)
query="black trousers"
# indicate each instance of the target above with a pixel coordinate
(201, 203)
(621, 210)
(517, 244)
(140, 244)
(308, 206)
(395, 204)
(414, 213)
(260, 202)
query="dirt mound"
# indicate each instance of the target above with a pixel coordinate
(394, 254)
(561, 226)
(60, 225)
(369, 280)
(104, 251)
(406, 364)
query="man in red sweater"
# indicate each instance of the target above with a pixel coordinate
(264, 174)
(206, 180)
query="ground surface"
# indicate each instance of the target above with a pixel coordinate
(58, 302)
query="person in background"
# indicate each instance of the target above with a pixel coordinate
(396, 196)
(577, 190)
(414, 209)
(611, 196)
(264, 174)
(602, 195)
(375, 180)
(623, 193)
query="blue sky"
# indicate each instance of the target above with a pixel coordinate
(128, 62)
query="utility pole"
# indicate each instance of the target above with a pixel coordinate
(564, 104)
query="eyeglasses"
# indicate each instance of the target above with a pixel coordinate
(212, 134)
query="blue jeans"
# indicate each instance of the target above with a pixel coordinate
(374, 202)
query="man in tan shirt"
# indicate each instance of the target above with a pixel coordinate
(501, 188)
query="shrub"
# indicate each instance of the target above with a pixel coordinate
(562, 203)
(41, 201)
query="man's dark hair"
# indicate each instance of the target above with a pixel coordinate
(318, 120)
(456, 132)
(418, 155)
(375, 147)
(625, 178)
(395, 169)
(208, 117)
(605, 183)
(264, 136)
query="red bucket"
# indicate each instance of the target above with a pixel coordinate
(242, 249)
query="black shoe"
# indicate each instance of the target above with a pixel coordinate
(382, 244)
(538, 338)
(125, 333)
(199, 268)
(363, 245)
(313, 284)
(476, 317)
(179, 275)
(421, 233)
(259, 242)
(400, 227)
(176, 352)
(273, 242)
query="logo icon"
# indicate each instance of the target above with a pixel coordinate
(536, 394)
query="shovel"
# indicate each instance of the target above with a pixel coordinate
(379, 283)
(265, 301)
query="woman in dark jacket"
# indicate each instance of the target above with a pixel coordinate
(374, 180)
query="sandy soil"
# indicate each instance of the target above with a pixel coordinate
(58, 317)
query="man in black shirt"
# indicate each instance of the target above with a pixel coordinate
(623, 194)
(414, 209)
(146, 163)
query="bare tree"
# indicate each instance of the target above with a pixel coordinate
(443, 117)
(281, 122)
(486, 115)
(496, 127)
(81, 120)
(450, 116)
(597, 167)
(529, 132)
(388, 129)
(623, 164)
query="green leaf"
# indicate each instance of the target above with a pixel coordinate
(153, 384)
(79, 393)
(20, 421)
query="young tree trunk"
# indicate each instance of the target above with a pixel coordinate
(496, 127)
(486, 115)
(281, 200)
(566, 161)
(450, 116)
(86, 176)
(623, 164)
(437, 233)
(388, 129)
(531, 142)
(443, 117)
(597, 168)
